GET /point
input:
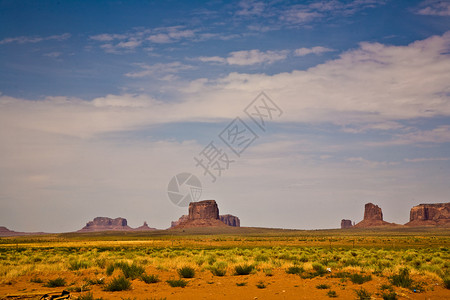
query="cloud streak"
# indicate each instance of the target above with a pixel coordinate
(34, 39)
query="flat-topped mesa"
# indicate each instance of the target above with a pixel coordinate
(373, 216)
(430, 214)
(206, 209)
(230, 220)
(105, 224)
(346, 224)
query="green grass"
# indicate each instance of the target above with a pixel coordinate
(402, 279)
(218, 271)
(120, 283)
(322, 286)
(132, 271)
(359, 278)
(294, 270)
(177, 282)
(389, 296)
(446, 282)
(57, 282)
(150, 278)
(78, 264)
(363, 294)
(186, 272)
(332, 294)
(243, 269)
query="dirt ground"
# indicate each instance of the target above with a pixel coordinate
(207, 286)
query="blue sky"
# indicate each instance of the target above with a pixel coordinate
(101, 103)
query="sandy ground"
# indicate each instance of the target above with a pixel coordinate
(207, 286)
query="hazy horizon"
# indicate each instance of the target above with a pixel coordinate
(102, 103)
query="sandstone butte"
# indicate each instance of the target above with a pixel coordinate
(205, 214)
(435, 214)
(346, 224)
(373, 216)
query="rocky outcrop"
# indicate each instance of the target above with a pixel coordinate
(204, 214)
(435, 214)
(144, 227)
(5, 232)
(230, 220)
(373, 216)
(206, 209)
(183, 218)
(106, 224)
(346, 223)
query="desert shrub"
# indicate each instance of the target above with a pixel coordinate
(36, 280)
(268, 272)
(359, 278)
(332, 294)
(322, 286)
(120, 283)
(78, 264)
(402, 279)
(262, 257)
(132, 271)
(88, 296)
(218, 269)
(241, 283)
(95, 281)
(362, 294)
(177, 282)
(243, 269)
(294, 270)
(446, 282)
(319, 268)
(150, 278)
(261, 285)
(58, 282)
(389, 296)
(186, 272)
(109, 270)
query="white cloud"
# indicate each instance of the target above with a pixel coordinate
(371, 163)
(34, 39)
(251, 57)
(250, 8)
(213, 59)
(53, 54)
(105, 37)
(426, 159)
(313, 50)
(434, 8)
(248, 57)
(157, 69)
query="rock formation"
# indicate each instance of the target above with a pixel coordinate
(204, 214)
(144, 227)
(106, 224)
(437, 214)
(4, 232)
(230, 220)
(373, 216)
(183, 218)
(346, 223)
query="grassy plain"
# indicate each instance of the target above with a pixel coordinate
(230, 263)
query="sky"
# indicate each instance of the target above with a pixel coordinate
(291, 114)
